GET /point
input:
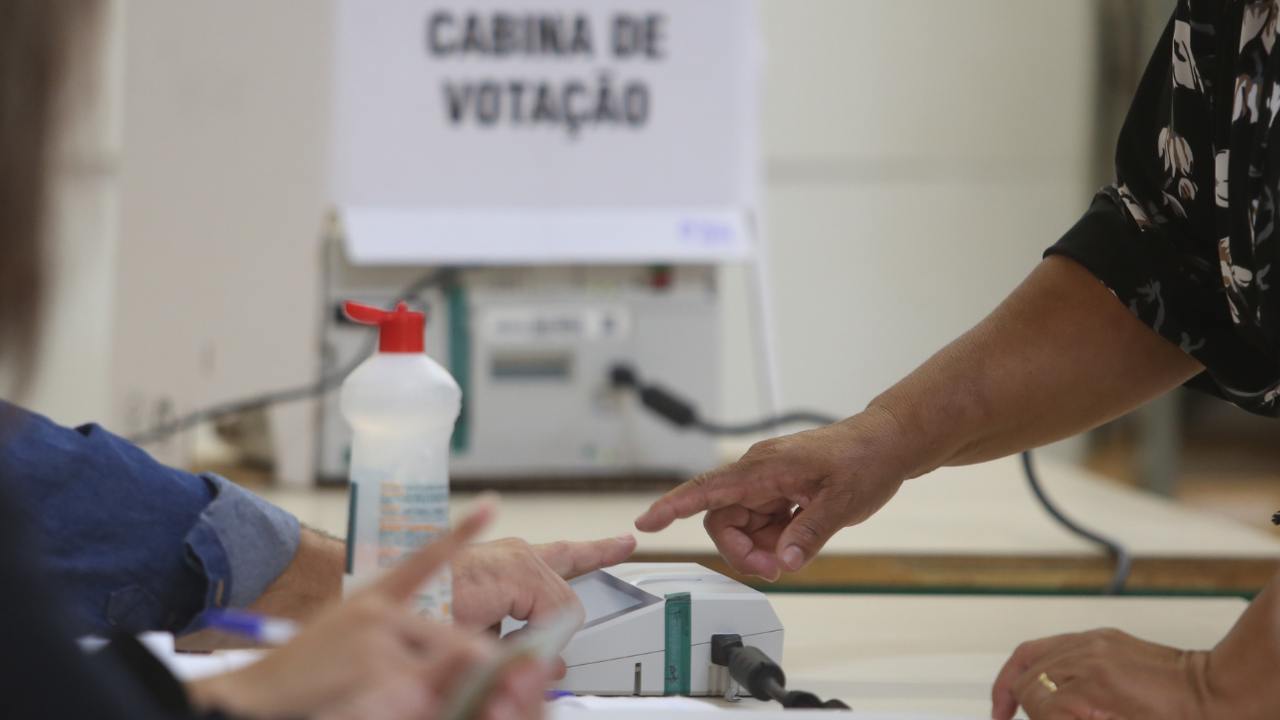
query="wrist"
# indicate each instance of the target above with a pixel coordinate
(910, 438)
(1228, 689)
(1195, 665)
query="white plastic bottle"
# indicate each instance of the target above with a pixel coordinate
(401, 405)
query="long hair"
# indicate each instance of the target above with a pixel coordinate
(36, 41)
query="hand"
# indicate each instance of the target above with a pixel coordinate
(372, 657)
(511, 577)
(774, 509)
(1101, 675)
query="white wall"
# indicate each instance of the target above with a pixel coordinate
(72, 376)
(921, 156)
(222, 207)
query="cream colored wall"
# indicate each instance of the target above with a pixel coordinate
(72, 376)
(920, 157)
(223, 179)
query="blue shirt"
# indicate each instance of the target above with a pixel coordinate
(137, 545)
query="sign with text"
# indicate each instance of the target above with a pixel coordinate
(519, 132)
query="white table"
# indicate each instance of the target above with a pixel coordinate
(969, 527)
(940, 653)
(922, 653)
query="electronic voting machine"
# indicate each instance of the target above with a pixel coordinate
(648, 630)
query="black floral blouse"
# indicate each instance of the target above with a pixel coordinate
(1187, 236)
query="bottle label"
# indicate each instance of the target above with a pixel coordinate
(411, 515)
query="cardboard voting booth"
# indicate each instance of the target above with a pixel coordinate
(555, 132)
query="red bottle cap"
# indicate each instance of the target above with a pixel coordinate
(398, 332)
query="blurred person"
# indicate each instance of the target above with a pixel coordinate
(141, 546)
(367, 657)
(1168, 279)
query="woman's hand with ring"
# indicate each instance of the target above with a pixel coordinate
(1101, 674)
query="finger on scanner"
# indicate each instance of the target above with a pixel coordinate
(576, 558)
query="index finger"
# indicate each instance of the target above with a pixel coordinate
(400, 584)
(568, 559)
(709, 491)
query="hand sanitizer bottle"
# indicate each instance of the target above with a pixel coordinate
(402, 406)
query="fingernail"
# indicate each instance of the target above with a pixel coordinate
(626, 537)
(793, 558)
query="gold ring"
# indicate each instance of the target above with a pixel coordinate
(1049, 685)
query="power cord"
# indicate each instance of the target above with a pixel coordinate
(1124, 561)
(683, 414)
(316, 389)
(673, 408)
(751, 668)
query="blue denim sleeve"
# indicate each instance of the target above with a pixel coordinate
(137, 545)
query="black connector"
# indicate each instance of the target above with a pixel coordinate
(657, 399)
(756, 672)
(720, 646)
(668, 406)
(760, 675)
(623, 376)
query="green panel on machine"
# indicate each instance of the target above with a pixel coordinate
(679, 625)
(351, 525)
(460, 360)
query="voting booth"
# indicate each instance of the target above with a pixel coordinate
(580, 169)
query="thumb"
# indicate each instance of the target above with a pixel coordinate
(810, 528)
(400, 584)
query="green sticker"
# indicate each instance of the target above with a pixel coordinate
(351, 526)
(679, 624)
(460, 361)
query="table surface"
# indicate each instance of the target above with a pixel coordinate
(918, 653)
(940, 654)
(973, 526)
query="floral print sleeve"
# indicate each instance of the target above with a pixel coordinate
(1186, 238)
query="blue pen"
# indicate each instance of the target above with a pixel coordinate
(557, 694)
(257, 627)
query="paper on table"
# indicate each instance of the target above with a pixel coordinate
(675, 708)
(594, 704)
(193, 666)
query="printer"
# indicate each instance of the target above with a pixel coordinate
(622, 646)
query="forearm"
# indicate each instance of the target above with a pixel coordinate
(1239, 678)
(1059, 356)
(311, 581)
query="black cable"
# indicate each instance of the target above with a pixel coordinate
(1124, 561)
(810, 418)
(682, 413)
(315, 389)
(755, 671)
